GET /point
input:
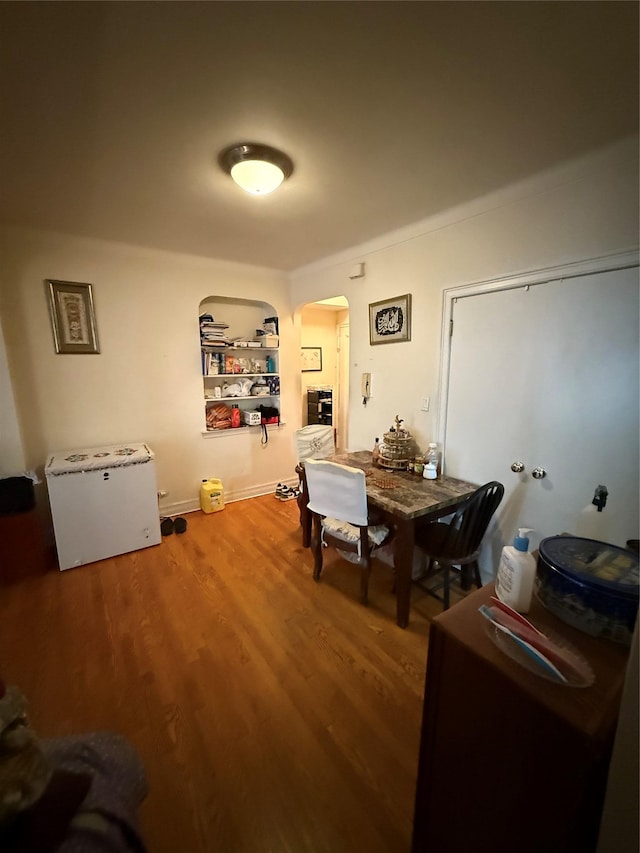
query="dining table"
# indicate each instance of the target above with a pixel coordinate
(404, 500)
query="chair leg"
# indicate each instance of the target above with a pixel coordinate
(445, 587)
(302, 501)
(364, 582)
(476, 573)
(366, 565)
(316, 548)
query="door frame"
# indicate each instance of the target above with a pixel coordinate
(606, 263)
(341, 421)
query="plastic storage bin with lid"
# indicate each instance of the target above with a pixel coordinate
(211, 495)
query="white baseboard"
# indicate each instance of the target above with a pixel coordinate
(193, 505)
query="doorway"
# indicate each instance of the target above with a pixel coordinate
(325, 365)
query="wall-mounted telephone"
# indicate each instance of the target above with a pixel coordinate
(366, 388)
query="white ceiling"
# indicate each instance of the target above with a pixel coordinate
(113, 114)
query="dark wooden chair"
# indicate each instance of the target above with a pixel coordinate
(341, 519)
(457, 543)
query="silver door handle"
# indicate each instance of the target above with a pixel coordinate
(517, 467)
(538, 473)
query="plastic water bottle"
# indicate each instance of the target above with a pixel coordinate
(375, 454)
(432, 461)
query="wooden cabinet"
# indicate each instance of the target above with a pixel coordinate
(508, 760)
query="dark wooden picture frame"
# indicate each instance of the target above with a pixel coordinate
(311, 359)
(390, 320)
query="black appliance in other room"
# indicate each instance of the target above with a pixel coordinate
(320, 407)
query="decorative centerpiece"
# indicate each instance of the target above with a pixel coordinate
(398, 447)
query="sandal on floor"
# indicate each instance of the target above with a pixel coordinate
(166, 526)
(180, 524)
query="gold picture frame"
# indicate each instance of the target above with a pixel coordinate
(72, 317)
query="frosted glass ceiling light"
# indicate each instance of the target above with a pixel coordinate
(258, 169)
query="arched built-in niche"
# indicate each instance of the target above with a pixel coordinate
(240, 361)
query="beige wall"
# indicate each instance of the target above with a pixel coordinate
(146, 384)
(583, 210)
(11, 454)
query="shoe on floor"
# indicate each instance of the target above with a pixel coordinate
(166, 526)
(288, 494)
(180, 525)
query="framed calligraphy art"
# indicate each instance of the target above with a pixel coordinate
(72, 317)
(390, 320)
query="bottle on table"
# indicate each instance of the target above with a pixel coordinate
(432, 462)
(516, 573)
(375, 453)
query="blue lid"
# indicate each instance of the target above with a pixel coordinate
(595, 563)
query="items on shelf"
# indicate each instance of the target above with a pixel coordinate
(241, 370)
(212, 333)
(218, 417)
(260, 388)
(269, 414)
(252, 417)
(240, 388)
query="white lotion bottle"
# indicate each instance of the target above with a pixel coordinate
(516, 573)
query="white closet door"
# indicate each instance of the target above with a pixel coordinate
(548, 376)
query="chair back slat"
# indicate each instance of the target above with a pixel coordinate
(471, 520)
(337, 491)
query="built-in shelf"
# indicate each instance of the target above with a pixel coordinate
(235, 321)
(210, 348)
(212, 433)
(249, 397)
(236, 375)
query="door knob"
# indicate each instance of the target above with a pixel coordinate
(517, 467)
(538, 473)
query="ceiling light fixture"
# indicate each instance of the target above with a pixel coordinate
(258, 169)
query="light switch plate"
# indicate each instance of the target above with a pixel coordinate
(425, 404)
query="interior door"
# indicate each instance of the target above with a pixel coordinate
(547, 375)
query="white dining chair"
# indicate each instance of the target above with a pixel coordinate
(341, 519)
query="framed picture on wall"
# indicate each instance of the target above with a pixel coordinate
(72, 317)
(311, 359)
(390, 320)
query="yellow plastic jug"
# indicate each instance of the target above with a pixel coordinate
(211, 495)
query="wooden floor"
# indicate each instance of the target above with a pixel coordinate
(272, 713)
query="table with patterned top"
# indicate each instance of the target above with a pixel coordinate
(404, 500)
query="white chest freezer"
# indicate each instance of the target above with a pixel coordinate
(104, 501)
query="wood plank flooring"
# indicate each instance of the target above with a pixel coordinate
(273, 714)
